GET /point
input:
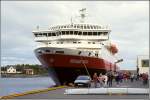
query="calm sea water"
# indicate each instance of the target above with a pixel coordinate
(18, 85)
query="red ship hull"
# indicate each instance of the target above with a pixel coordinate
(68, 67)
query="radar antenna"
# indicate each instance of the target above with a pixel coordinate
(82, 14)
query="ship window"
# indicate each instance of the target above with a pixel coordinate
(49, 42)
(78, 26)
(84, 33)
(93, 42)
(94, 33)
(36, 35)
(88, 27)
(80, 33)
(84, 27)
(96, 54)
(89, 33)
(79, 42)
(98, 33)
(39, 51)
(53, 34)
(61, 42)
(57, 42)
(71, 32)
(74, 42)
(89, 42)
(81, 27)
(67, 32)
(61, 52)
(49, 34)
(105, 33)
(47, 50)
(63, 32)
(75, 32)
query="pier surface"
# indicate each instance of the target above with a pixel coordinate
(59, 94)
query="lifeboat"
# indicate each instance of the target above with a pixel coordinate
(113, 48)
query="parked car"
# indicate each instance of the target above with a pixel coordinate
(83, 81)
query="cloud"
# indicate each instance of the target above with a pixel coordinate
(129, 21)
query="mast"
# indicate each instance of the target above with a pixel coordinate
(82, 14)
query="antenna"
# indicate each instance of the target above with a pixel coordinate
(71, 21)
(82, 14)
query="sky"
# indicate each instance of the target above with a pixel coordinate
(129, 21)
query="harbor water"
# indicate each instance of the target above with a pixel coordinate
(19, 85)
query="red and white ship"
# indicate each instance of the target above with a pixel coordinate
(74, 49)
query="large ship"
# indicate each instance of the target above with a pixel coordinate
(75, 49)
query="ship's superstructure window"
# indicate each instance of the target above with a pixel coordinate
(89, 33)
(53, 34)
(63, 32)
(67, 32)
(94, 33)
(79, 33)
(75, 32)
(71, 32)
(84, 33)
(60, 52)
(47, 50)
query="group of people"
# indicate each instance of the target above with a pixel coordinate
(103, 79)
(106, 80)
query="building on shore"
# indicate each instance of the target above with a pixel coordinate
(29, 71)
(143, 64)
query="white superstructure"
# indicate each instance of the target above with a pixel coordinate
(77, 36)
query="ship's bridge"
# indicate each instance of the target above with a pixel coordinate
(80, 31)
(82, 36)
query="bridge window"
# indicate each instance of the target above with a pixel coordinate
(75, 32)
(89, 33)
(63, 32)
(98, 33)
(105, 33)
(49, 34)
(74, 42)
(84, 33)
(67, 32)
(53, 34)
(80, 33)
(94, 33)
(36, 34)
(71, 32)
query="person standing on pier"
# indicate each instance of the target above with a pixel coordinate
(110, 78)
(95, 79)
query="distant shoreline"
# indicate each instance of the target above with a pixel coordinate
(22, 76)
